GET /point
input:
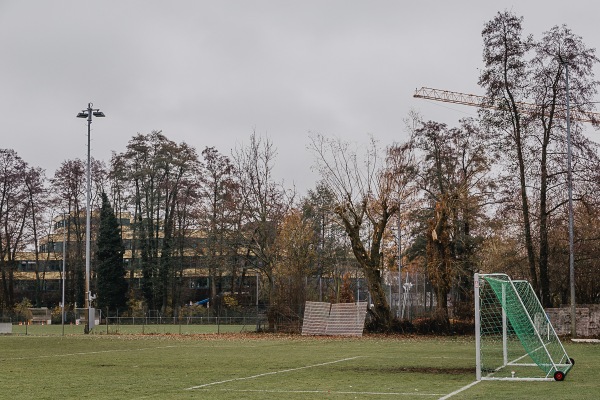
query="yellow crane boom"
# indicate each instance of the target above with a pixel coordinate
(483, 102)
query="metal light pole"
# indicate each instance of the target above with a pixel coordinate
(87, 113)
(570, 188)
(399, 264)
(257, 320)
(63, 274)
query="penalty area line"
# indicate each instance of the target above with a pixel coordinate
(462, 389)
(271, 373)
(412, 394)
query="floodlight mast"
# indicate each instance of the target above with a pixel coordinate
(64, 257)
(88, 113)
(399, 239)
(570, 187)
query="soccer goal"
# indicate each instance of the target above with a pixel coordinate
(514, 338)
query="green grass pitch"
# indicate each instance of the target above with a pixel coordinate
(264, 366)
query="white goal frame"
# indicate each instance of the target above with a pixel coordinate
(534, 332)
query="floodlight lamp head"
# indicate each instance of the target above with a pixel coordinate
(82, 115)
(98, 114)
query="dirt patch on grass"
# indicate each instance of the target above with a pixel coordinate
(414, 370)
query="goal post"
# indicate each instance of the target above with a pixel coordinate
(514, 338)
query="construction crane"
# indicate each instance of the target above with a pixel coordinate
(474, 100)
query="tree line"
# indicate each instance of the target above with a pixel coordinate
(487, 195)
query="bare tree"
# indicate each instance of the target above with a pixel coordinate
(533, 138)
(295, 261)
(332, 246)
(68, 195)
(68, 187)
(15, 211)
(158, 169)
(185, 233)
(454, 179)
(557, 48)
(264, 203)
(505, 78)
(366, 197)
(218, 187)
(38, 204)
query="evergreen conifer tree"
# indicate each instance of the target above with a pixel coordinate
(112, 285)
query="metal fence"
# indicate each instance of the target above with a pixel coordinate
(410, 296)
(181, 325)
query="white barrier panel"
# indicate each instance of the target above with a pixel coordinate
(5, 327)
(334, 319)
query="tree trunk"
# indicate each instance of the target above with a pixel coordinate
(381, 309)
(526, 215)
(370, 264)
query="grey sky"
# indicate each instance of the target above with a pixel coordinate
(211, 72)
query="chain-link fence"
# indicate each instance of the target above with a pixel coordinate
(410, 296)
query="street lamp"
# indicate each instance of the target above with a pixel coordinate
(570, 193)
(88, 113)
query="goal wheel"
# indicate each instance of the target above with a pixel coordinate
(572, 361)
(559, 376)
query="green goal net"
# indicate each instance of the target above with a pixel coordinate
(514, 337)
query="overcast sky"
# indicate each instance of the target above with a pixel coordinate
(209, 73)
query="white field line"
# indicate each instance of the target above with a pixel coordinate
(83, 353)
(327, 392)
(271, 373)
(459, 390)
